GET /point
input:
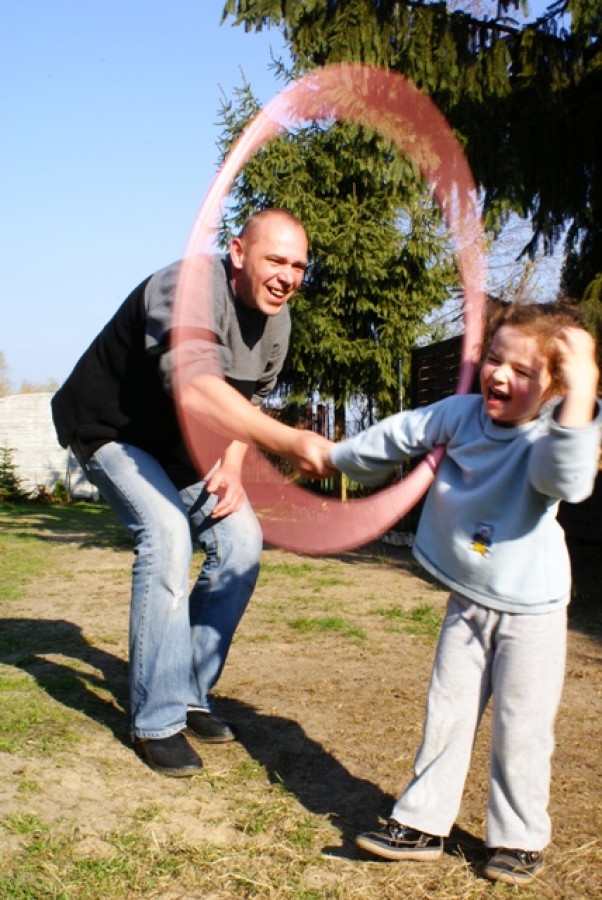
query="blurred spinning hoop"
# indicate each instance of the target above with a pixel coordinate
(292, 517)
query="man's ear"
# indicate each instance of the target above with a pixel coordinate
(237, 252)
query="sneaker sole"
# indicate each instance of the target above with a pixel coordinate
(518, 879)
(425, 854)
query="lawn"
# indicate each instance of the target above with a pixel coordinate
(325, 686)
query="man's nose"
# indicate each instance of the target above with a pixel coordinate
(286, 275)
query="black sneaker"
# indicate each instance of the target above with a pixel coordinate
(170, 756)
(204, 726)
(513, 866)
(396, 841)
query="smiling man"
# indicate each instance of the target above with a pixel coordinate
(268, 260)
(117, 412)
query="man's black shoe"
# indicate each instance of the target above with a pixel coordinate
(206, 727)
(170, 756)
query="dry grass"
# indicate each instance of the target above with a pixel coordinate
(326, 685)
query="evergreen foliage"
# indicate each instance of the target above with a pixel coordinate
(527, 101)
(11, 487)
(379, 256)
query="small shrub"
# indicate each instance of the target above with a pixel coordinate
(11, 486)
(60, 494)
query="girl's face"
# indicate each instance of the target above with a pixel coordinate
(515, 379)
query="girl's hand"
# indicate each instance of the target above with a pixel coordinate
(579, 370)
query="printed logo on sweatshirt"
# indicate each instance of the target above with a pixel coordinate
(482, 538)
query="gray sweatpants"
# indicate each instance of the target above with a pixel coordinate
(519, 661)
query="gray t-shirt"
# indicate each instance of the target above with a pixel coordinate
(244, 345)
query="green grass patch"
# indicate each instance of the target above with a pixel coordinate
(48, 865)
(422, 620)
(256, 817)
(20, 562)
(32, 722)
(327, 625)
(301, 605)
(291, 569)
(26, 824)
(302, 834)
(28, 787)
(316, 575)
(25, 550)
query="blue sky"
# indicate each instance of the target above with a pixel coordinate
(109, 112)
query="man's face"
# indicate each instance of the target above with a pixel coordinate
(515, 381)
(268, 263)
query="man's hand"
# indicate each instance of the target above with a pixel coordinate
(310, 453)
(306, 451)
(226, 483)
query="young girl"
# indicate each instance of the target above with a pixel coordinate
(488, 531)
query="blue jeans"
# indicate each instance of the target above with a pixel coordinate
(179, 640)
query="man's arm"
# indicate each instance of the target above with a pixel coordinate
(213, 404)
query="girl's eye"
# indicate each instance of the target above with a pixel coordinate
(523, 373)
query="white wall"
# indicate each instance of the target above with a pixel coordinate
(27, 430)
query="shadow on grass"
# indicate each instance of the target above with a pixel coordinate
(320, 782)
(27, 644)
(290, 758)
(86, 524)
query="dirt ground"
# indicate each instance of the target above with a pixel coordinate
(336, 717)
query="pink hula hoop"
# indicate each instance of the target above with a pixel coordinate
(292, 517)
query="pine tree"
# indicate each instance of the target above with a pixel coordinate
(11, 486)
(380, 260)
(527, 101)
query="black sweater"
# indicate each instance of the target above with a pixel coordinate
(117, 390)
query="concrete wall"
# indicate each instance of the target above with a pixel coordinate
(26, 430)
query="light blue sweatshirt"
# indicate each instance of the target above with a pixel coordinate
(488, 529)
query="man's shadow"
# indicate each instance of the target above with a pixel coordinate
(290, 758)
(321, 783)
(27, 643)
